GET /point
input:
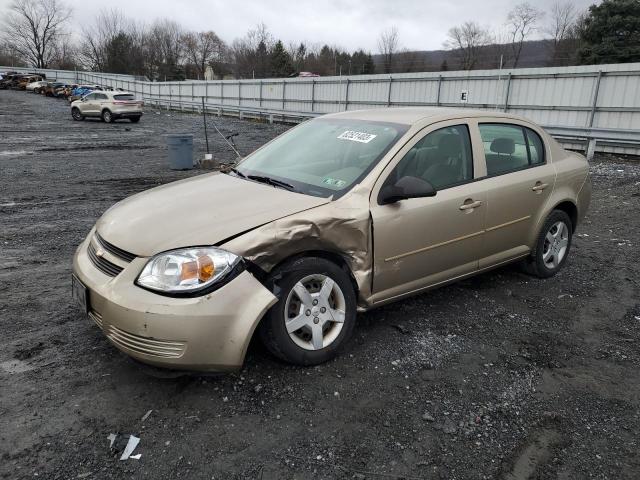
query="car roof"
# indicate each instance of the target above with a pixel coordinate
(412, 115)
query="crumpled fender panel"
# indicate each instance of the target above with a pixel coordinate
(342, 227)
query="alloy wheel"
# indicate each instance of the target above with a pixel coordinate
(315, 312)
(555, 245)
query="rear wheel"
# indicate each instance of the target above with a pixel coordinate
(134, 119)
(76, 114)
(552, 246)
(315, 314)
(107, 116)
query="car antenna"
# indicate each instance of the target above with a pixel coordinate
(226, 139)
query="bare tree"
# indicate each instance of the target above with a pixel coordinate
(32, 28)
(65, 54)
(164, 44)
(201, 49)
(250, 54)
(499, 51)
(560, 29)
(9, 57)
(388, 48)
(97, 36)
(466, 42)
(522, 21)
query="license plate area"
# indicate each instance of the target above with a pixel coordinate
(79, 293)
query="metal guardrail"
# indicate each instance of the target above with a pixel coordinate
(269, 114)
(593, 136)
(589, 135)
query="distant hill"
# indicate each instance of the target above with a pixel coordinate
(537, 53)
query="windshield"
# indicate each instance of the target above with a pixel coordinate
(324, 157)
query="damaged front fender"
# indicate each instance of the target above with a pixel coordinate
(342, 227)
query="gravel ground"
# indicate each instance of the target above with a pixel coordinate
(499, 376)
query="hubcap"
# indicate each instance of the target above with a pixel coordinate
(555, 245)
(315, 312)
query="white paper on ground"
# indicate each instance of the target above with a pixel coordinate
(131, 446)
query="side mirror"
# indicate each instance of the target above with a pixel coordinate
(405, 188)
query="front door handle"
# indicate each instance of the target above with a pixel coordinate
(470, 204)
(539, 186)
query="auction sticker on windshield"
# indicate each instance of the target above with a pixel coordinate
(334, 182)
(361, 137)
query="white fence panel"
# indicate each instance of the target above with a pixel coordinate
(581, 97)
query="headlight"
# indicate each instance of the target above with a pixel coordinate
(187, 270)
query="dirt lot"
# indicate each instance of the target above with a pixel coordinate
(500, 376)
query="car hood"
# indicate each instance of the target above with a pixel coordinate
(204, 210)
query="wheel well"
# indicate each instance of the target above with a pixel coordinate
(327, 255)
(570, 209)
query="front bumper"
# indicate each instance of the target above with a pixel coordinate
(209, 333)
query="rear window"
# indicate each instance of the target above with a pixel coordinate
(124, 97)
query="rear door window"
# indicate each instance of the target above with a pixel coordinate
(124, 97)
(508, 148)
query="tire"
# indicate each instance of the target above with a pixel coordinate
(107, 116)
(134, 119)
(320, 337)
(552, 246)
(75, 113)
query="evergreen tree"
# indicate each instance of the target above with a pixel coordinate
(369, 66)
(611, 33)
(281, 65)
(117, 54)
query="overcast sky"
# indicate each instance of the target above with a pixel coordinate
(353, 24)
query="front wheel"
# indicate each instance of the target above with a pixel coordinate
(552, 246)
(107, 116)
(76, 114)
(315, 314)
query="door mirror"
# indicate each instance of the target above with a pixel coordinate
(405, 188)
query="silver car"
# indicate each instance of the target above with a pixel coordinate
(109, 106)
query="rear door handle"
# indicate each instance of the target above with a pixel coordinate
(539, 186)
(469, 204)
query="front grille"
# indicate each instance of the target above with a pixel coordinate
(147, 346)
(96, 317)
(115, 251)
(102, 264)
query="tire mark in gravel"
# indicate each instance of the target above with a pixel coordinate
(535, 453)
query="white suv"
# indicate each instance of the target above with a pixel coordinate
(109, 106)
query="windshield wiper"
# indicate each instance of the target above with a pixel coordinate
(272, 181)
(237, 172)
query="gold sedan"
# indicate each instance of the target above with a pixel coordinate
(340, 214)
